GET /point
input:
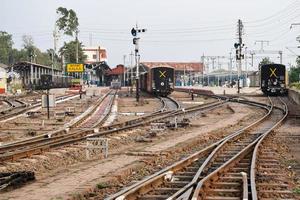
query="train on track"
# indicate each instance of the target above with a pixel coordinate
(273, 79)
(158, 80)
(57, 81)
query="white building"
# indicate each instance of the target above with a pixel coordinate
(95, 54)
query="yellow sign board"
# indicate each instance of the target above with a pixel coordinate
(75, 67)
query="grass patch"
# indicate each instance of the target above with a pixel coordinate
(296, 190)
(295, 85)
(102, 185)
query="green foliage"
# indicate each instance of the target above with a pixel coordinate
(295, 72)
(295, 86)
(296, 190)
(69, 52)
(68, 21)
(265, 61)
(19, 55)
(5, 47)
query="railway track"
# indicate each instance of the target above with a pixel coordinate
(214, 172)
(19, 107)
(46, 142)
(170, 104)
(15, 107)
(39, 144)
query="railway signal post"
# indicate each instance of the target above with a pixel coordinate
(46, 82)
(134, 33)
(239, 46)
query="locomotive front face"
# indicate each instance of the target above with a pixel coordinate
(273, 78)
(163, 78)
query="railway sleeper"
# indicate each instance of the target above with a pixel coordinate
(232, 192)
(268, 165)
(165, 190)
(177, 184)
(183, 178)
(275, 193)
(230, 179)
(262, 198)
(153, 197)
(221, 198)
(225, 184)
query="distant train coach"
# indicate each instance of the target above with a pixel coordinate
(158, 80)
(273, 79)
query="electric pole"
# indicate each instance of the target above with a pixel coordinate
(213, 62)
(55, 40)
(131, 69)
(262, 43)
(203, 66)
(77, 46)
(124, 81)
(134, 33)
(230, 66)
(239, 46)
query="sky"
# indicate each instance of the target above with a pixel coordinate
(177, 30)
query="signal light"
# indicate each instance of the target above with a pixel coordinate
(134, 40)
(133, 32)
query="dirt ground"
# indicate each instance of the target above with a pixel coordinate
(288, 138)
(62, 177)
(28, 126)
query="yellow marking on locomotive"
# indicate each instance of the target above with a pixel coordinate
(273, 72)
(162, 74)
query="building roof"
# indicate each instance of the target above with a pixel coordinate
(25, 64)
(119, 69)
(178, 66)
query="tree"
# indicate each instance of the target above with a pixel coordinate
(28, 44)
(295, 72)
(69, 52)
(265, 61)
(5, 47)
(68, 22)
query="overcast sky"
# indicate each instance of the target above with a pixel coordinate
(177, 30)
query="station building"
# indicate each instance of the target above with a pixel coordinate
(96, 67)
(3, 78)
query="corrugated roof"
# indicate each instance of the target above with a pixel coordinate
(179, 66)
(117, 71)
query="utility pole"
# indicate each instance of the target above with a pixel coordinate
(131, 68)
(262, 43)
(230, 66)
(202, 59)
(239, 46)
(213, 62)
(207, 71)
(134, 33)
(77, 46)
(124, 78)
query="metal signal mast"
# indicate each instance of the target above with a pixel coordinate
(134, 33)
(239, 46)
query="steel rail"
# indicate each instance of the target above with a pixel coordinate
(56, 135)
(84, 134)
(187, 191)
(141, 187)
(26, 107)
(255, 154)
(233, 161)
(61, 131)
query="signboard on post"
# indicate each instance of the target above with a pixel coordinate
(75, 67)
